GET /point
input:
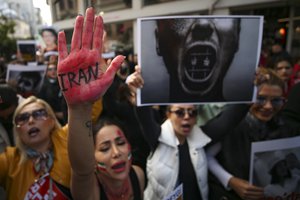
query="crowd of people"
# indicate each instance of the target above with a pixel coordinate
(88, 139)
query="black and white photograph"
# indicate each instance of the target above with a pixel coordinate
(198, 59)
(27, 79)
(27, 50)
(275, 166)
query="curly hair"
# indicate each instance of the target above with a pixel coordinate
(267, 76)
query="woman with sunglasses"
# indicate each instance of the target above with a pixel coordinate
(177, 162)
(38, 166)
(229, 160)
(101, 165)
(177, 157)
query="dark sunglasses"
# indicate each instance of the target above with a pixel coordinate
(23, 118)
(181, 112)
(276, 101)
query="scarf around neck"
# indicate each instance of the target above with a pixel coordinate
(42, 161)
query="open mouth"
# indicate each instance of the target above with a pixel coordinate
(198, 63)
(33, 132)
(119, 167)
(186, 126)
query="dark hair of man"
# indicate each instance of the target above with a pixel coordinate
(282, 58)
(8, 96)
(51, 30)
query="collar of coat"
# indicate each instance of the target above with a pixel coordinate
(196, 139)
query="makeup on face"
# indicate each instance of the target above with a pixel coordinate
(101, 166)
(115, 152)
(121, 134)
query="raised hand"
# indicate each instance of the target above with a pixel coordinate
(135, 81)
(80, 75)
(245, 190)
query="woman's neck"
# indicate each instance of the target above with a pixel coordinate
(44, 147)
(180, 138)
(116, 190)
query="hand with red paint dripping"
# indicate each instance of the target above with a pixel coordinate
(80, 75)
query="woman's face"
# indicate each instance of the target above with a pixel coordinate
(34, 126)
(112, 153)
(52, 71)
(183, 118)
(269, 102)
(49, 38)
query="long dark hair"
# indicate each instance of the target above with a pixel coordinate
(106, 121)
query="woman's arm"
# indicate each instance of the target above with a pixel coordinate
(223, 123)
(150, 128)
(242, 187)
(214, 166)
(83, 81)
(81, 152)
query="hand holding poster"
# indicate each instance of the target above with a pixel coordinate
(198, 58)
(275, 165)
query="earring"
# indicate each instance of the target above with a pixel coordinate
(129, 155)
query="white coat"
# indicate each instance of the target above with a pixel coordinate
(163, 163)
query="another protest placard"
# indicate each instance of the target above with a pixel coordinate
(198, 59)
(275, 166)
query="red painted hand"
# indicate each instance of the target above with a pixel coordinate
(80, 75)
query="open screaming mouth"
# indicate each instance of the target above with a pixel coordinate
(119, 166)
(198, 63)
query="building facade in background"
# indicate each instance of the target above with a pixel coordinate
(23, 13)
(281, 17)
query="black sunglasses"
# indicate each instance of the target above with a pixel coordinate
(181, 112)
(23, 118)
(276, 101)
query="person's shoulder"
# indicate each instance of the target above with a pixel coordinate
(11, 150)
(11, 153)
(139, 171)
(140, 175)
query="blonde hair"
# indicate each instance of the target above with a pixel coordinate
(32, 99)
